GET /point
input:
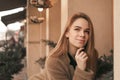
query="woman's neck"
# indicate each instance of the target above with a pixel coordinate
(72, 50)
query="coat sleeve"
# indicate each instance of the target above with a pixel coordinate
(39, 76)
(55, 71)
(36, 77)
(83, 75)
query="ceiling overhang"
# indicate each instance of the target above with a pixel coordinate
(14, 17)
(11, 4)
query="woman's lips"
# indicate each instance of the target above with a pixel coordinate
(81, 41)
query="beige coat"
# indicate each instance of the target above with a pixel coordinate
(59, 68)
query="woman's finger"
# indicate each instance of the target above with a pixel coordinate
(79, 51)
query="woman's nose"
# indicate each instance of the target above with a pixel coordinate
(82, 33)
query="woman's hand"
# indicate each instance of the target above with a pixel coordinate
(81, 59)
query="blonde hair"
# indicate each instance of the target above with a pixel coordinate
(62, 45)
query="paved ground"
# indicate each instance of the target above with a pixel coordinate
(21, 76)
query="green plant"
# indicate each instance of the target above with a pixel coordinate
(105, 67)
(10, 59)
(50, 43)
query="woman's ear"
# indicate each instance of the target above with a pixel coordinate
(67, 34)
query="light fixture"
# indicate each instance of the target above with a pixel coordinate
(40, 9)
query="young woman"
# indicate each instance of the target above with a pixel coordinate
(74, 57)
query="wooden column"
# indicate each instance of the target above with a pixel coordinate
(116, 39)
(35, 47)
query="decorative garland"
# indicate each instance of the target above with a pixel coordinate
(41, 3)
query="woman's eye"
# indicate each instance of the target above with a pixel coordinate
(87, 32)
(77, 29)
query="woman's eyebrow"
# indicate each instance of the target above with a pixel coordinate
(78, 26)
(81, 27)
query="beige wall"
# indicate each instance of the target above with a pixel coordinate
(55, 21)
(101, 13)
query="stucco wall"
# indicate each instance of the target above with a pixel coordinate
(55, 22)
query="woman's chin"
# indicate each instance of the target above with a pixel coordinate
(80, 46)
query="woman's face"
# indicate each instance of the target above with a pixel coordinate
(78, 33)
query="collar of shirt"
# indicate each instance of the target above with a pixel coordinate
(72, 61)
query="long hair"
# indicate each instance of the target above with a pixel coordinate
(62, 45)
